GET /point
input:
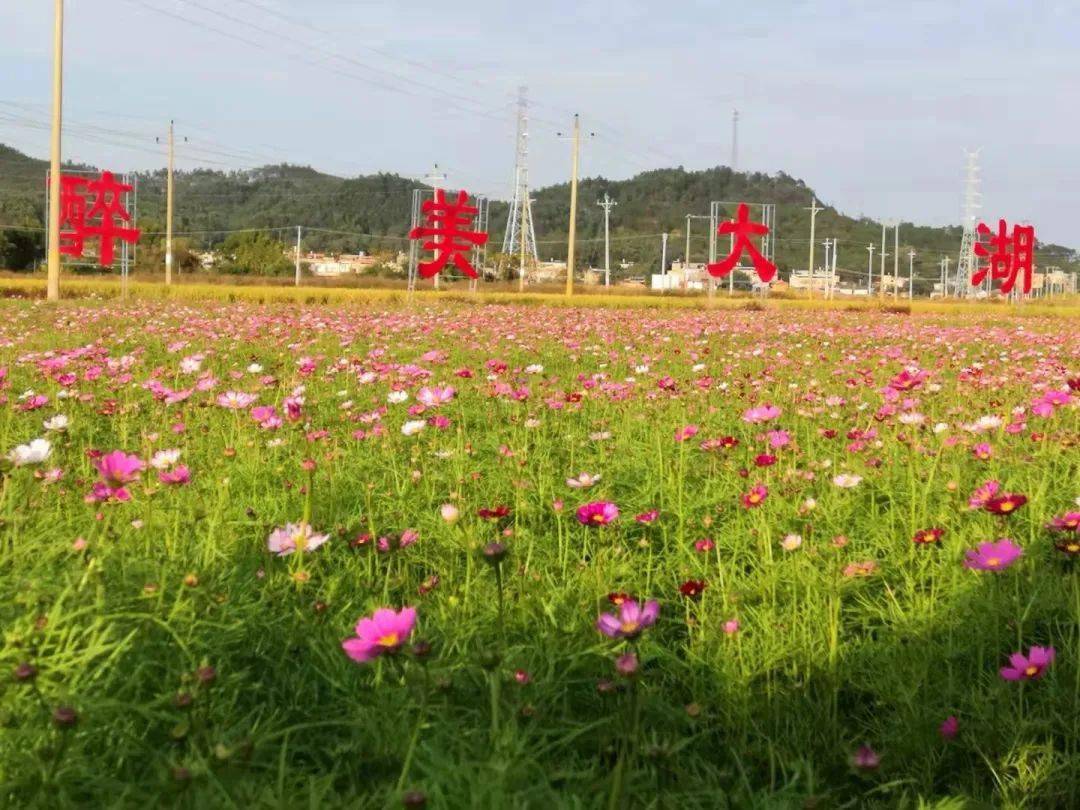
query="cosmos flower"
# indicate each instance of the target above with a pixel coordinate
(164, 459)
(925, 537)
(692, 588)
(25, 455)
(949, 728)
(645, 518)
(597, 513)
(1028, 667)
(118, 468)
(791, 542)
(1069, 522)
(982, 451)
(384, 633)
(847, 480)
(412, 427)
(756, 496)
(1005, 504)
(632, 619)
(686, 432)
(761, 413)
(996, 556)
(434, 396)
(583, 481)
(294, 537)
(57, 423)
(235, 400)
(983, 493)
(177, 476)
(866, 759)
(449, 513)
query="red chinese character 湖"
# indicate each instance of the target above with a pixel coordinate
(1010, 255)
(743, 229)
(107, 207)
(446, 227)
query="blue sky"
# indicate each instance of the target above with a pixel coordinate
(871, 103)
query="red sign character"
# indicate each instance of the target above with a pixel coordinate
(77, 223)
(743, 229)
(446, 225)
(1010, 255)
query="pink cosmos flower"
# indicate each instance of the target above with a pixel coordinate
(761, 413)
(949, 728)
(235, 400)
(686, 432)
(632, 619)
(1029, 667)
(645, 518)
(756, 496)
(731, 627)
(383, 633)
(982, 451)
(983, 494)
(995, 556)
(294, 537)
(866, 759)
(118, 468)
(778, 438)
(434, 396)
(597, 513)
(1069, 522)
(177, 476)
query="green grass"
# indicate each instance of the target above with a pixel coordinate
(180, 579)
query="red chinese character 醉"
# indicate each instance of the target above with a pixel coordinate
(743, 229)
(446, 226)
(77, 223)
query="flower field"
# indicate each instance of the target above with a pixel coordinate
(524, 556)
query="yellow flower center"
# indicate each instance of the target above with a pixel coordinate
(1007, 506)
(1031, 670)
(754, 497)
(389, 640)
(1072, 547)
(630, 627)
(598, 517)
(993, 562)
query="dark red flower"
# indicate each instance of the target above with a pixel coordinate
(1005, 504)
(692, 588)
(764, 460)
(496, 513)
(925, 537)
(618, 597)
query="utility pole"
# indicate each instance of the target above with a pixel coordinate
(663, 259)
(735, 140)
(870, 271)
(607, 204)
(896, 260)
(881, 291)
(832, 275)
(945, 287)
(911, 275)
(53, 284)
(298, 229)
(827, 243)
(813, 209)
(435, 179)
(573, 206)
(686, 253)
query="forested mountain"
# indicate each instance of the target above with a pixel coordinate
(353, 213)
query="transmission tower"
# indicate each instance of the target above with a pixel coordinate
(966, 266)
(519, 223)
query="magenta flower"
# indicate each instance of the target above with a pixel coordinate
(1029, 667)
(597, 513)
(686, 432)
(866, 758)
(1069, 522)
(177, 476)
(982, 451)
(383, 633)
(118, 468)
(761, 413)
(632, 619)
(949, 728)
(983, 494)
(995, 556)
(646, 518)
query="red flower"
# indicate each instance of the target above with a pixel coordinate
(925, 537)
(618, 597)
(497, 513)
(755, 497)
(692, 588)
(1005, 504)
(764, 460)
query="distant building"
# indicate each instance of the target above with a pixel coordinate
(331, 266)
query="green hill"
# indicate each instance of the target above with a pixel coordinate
(353, 213)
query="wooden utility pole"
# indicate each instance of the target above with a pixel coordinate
(813, 209)
(169, 207)
(53, 284)
(573, 207)
(298, 230)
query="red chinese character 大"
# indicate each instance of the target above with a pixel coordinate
(77, 223)
(743, 229)
(1009, 256)
(446, 227)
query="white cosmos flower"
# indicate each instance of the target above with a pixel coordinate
(941, 427)
(254, 368)
(791, 542)
(57, 423)
(846, 480)
(583, 481)
(33, 453)
(397, 397)
(413, 427)
(164, 459)
(535, 368)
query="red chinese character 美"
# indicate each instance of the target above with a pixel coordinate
(446, 223)
(1010, 255)
(107, 207)
(743, 229)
